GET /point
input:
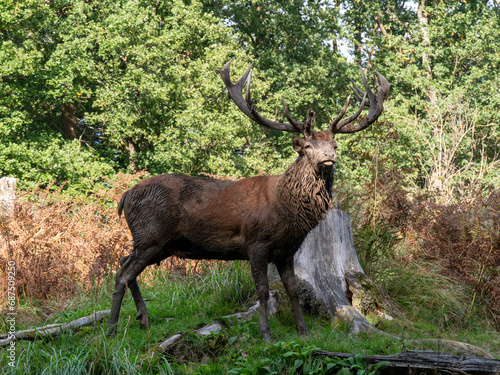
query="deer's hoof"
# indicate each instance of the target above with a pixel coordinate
(143, 319)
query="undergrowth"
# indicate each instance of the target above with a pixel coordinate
(434, 260)
(436, 267)
(62, 245)
(179, 305)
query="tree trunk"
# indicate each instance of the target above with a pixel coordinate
(329, 271)
(132, 149)
(335, 45)
(423, 20)
(68, 121)
(358, 46)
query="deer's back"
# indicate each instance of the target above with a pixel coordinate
(200, 217)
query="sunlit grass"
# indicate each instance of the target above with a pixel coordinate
(179, 303)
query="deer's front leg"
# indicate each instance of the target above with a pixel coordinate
(289, 279)
(258, 264)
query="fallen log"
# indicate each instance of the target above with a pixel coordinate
(53, 329)
(457, 347)
(425, 362)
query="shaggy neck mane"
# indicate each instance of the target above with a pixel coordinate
(306, 193)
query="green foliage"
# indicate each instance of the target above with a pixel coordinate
(292, 45)
(374, 242)
(353, 365)
(43, 162)
(297, 358)
(91, 88)
(301, 356)
(445, 90)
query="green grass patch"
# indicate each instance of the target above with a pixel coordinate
(181, 303)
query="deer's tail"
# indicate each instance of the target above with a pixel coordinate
(122, 203)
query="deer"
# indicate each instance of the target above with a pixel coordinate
(261, 219)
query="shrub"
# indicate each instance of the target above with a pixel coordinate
(462, 240)
(62, 245)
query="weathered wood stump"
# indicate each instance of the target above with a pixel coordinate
(328, 269)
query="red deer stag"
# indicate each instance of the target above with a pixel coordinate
(261, 219)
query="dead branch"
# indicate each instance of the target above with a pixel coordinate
(53, 329)
(426, 362)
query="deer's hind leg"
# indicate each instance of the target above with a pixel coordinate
(132, 266)
(142, 311)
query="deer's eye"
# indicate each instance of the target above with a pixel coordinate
(307, 146)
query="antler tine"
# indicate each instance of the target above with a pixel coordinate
(375, 101)
(385, 86)
(248, 97)
(353, 117)
(358, 93)
(302, 127)
(335, 121)
(234, 88)
(246, 105)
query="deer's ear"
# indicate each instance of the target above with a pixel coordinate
(298, 144)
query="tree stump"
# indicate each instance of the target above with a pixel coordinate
(7, 195)
(328, 268)
(7, 200)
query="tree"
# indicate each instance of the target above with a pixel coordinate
(449, 59)
(89, 88)
(293, 45)
(442, 57)
(33, 113)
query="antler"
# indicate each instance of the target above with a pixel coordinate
(247, 107)
(375, 101)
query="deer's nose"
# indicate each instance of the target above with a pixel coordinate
(329, 155)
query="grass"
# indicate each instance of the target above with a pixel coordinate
(179, 303)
